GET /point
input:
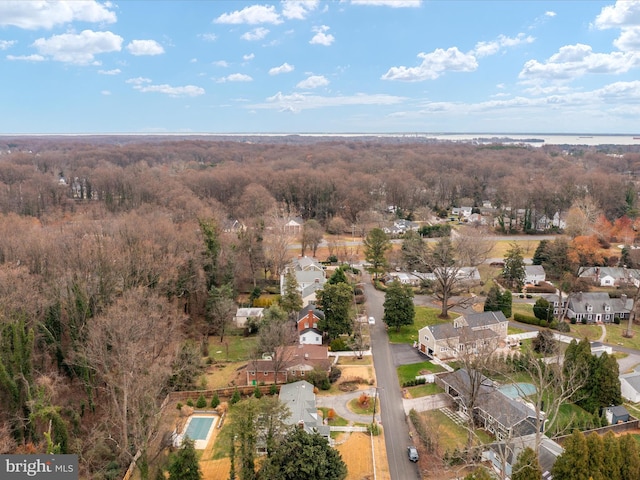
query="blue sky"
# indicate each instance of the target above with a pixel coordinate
(343, 66)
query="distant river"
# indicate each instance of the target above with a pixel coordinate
(539, 139)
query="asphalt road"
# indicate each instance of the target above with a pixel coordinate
(394, 421)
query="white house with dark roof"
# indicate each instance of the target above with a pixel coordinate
(596, 307)
(474, 332)
(610, 276)
(301, 402)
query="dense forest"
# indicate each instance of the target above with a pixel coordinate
(115, 253)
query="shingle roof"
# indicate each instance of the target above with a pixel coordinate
(633, 379)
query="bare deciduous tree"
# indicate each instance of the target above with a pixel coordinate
(130, 347)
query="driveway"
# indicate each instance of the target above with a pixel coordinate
(404, 354)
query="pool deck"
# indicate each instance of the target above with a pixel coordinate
(201, 444)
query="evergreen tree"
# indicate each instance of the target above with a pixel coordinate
(291, 300)
(376, 244)
(527, 466)
(493, 300)
(540, 256)
(612, 460)
(506, 302)
(413, 251)
(185, 465)
(338, 277)
(596, 456)
(573, 464)
(398, 305)
(543, 310)
(513, 271)
(544, 342)
(335, 302)
(629, 458)
(303, 456)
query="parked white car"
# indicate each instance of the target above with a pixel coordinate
(372, 321)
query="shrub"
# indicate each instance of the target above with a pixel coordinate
(616, 320)
(562, 327)
(373, 429)
(215, 400)
(235, 398)
(273, 389)
(334, 374)
(338, 345)
(179, 405)
(256, 392)
(201, 402)
(528, 319)
(190, 403)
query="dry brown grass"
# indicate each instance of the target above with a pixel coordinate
(356, 452)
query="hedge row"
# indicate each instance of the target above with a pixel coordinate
(531, 320)
(414, 382)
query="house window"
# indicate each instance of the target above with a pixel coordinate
(266, 373)
(443, 349)
(302, 373)
(252, 374)
(317, 339)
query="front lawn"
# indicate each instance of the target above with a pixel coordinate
(424, 316)
(424, 390)
(409, 372)
(450, 435)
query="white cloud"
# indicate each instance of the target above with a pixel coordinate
(284, 68)
(221, 63)
(573, 61)
(209, 37)
(47, 14)
(145, 47)
(235, 77)
(629, 40)
(115, 71)
(138, 80)
(321, 37)
(6, 44)
(105, 92)
(255, 34)
(624, 13)
(145, 85)
(313, 81)
(297, 102)
(433, 65)
(185, 91)
(27, 58)
(298, 9)
(78, 48)
(483, 49)
(389, 3)
(252, 15)
(248, 57)
(193, 60)
(550, 13)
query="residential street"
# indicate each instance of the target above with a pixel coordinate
(394, 421)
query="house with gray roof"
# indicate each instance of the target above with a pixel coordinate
(301, 402)
(597, 307)
(616, 414)
(534, 274)
(504, 455)
(493, 410)
(610, 276)
(473, 333)
(310, 276)
(630, 386)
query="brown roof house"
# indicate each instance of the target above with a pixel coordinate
(472, 333)
(287, 364)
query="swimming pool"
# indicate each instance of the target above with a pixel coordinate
(516, 390)
(199, 429)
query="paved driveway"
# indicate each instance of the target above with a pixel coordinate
(404, 354)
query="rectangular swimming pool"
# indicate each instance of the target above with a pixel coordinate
(199, 428)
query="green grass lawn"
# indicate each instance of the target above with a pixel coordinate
(514, 330)
(523, 308)
(410, 371)
(424, 316)
(568, 415)
(233, 348)
(424, 390)
(449, 434)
